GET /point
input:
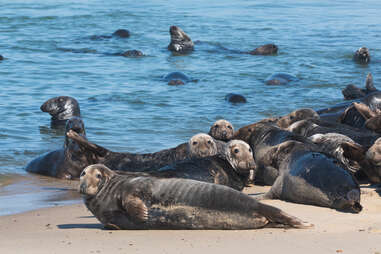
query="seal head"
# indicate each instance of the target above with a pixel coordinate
(180, 42)
(61, 108)
(201, 145)
(222, 130)
(362, 55)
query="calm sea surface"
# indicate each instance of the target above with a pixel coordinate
(50, 50)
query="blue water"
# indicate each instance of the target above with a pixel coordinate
(126, 106)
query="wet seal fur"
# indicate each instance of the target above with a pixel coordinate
(61, 109)
(234, 168)
(267, 49)
(362, 55)
(313, 178)
(235, 98)
(180, 43)
(280, 79)
(67, 162)
(351, 92)
(128, 202)
(222, 130)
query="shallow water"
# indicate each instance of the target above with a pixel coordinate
(50, 50)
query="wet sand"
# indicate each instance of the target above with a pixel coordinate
(73, 229)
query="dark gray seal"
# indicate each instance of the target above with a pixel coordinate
(244, 133)
(132, 53)
(121, 33)
(352, 92)
(67, 162)
(180, 43)
(372, 163)
(362, 55)
(313, 178)
(222, 130)
(267, 49)
(280, 79)
(200, 145)
(234, 168)
(128, 202)
(177, 78)
(61, 109)
(235, 98)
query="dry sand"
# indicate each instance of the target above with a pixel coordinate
(72, 229)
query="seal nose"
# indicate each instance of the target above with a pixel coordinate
(82, 188)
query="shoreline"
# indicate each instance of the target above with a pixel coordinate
(72, 228)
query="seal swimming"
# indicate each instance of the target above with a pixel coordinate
(129, 202)
(180, 43)
(267, 49)
(67, 162)
(61, 109)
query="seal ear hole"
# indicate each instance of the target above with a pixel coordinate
(194, 143)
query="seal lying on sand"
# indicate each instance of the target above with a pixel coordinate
(180, 43)
(127, 202)
(362, 55)
(61, 108)
(235, 168)
(267, 49)
(222, 130)
(309, 177)
(351, 92)
(200, 145)
(67, 162)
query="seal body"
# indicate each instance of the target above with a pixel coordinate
(61, 109)
(297, 115)
(267, 49)
(177, 78)
(67, 162)
(180, 43)
(124, 202)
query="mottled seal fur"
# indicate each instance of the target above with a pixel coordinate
(128, 202)
(235, 98)
(180, 43)
(244, 133)
(61, 109)
(234, 168)
(222, 130)
(280, 79)
(313, 178)
(267, 49)
(200, 145)
(297, 115)
(362, 55)
(67, 162)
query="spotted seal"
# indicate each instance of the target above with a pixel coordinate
(61, 109)
(222, 130)
(362, 55)
(180, 43)
(67, 162)
(128, 202)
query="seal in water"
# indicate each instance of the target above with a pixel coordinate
(67, 162)
(200, 145)
(235, 98)
(222, 130)
(234, 168)
(362, 55)
(267, 49)
(132, 53)
(180, 43)
(352, 92)
(280, 79)
(121, 33)
(129, 202)
(312, 178)
(177, 78)
(61, 109)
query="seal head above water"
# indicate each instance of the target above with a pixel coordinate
(180, 43)
(61, 108)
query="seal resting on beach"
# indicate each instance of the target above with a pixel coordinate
(61, 109)
(234, 168)
(267, 49)
(132, 53)
(180, 43)
(313, 178)
(235, 98)
(67, 162)
(129, 202)
(222, 130)
(200, 145)
(362, 55)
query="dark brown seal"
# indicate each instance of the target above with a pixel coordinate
(180, 43)
(222, 130)
(67, 162)
(128, 202)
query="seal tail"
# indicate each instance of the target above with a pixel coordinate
(280, 219)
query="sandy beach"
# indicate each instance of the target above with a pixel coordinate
(73, 229)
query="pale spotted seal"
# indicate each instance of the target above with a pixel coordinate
(222, 130)
(297, 115)
(351, 92)
(130, 202)
(180, 43)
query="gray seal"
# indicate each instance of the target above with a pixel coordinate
(222, 130)
(180, 43)
(129, 202)
(267, 49)
(235, 98)
(362, 55)
(280, 79)
(61, 109)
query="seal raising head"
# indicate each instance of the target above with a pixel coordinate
(61, 108)
(222, 130)
(180, 42)
(362, 55)
(202, 145)
(297, 115)
(240, 156)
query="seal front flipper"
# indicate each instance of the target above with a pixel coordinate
(81, 141)
(135, 208)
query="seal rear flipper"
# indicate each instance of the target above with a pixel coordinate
(84, 143)
(364, 110)
(135, 208)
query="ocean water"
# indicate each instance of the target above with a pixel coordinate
(50, 50)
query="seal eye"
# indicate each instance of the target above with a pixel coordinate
(83, 173)
(236, 150)
(194, 143)
(249, 130)
(291, 117)
(209, 142)
(99, 176)
(250, 150)
(229, 127)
